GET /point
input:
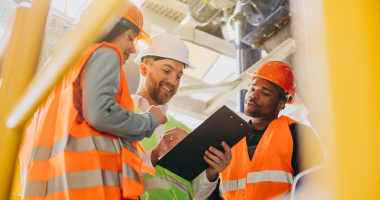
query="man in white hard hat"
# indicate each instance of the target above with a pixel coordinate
(161, 68)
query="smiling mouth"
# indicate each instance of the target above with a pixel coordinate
(166, 89)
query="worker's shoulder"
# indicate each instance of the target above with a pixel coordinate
(105, 51)
(304, 133)
(300, 127)
(104, 56)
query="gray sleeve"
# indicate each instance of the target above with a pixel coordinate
(99, 83)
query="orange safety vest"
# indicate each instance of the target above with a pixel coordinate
(62, 159)
(269, 175)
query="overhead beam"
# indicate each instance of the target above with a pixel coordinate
(280, 53)
(189, 80)
(188, 106)
(205, 88)
(190, 34)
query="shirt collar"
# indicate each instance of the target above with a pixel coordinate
(143, 103)
(254, 130)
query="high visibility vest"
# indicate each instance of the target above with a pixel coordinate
(165, 185)
(269, 175)
(62, 159)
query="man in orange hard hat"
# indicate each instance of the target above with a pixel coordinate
(265, 162)
(83, 141)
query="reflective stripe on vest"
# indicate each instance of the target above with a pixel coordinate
(68, 142)
(78, 179)
(232, 185)
(156, 182)
(181, 186)
(256, 177)
(88, 143)
(163, 183)
(60, 155)
(75, 180)
(40, 153)
(159, 182)
(270, 175)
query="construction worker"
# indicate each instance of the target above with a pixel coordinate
(264, 163)
(82, 143)
(161, 68)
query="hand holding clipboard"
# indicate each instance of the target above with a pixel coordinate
(186, 158)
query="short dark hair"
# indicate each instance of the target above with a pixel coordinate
(158, 58)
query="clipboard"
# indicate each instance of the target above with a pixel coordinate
(186, 159)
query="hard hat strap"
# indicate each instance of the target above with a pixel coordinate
(129, 24)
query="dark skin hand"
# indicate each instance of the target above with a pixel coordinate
(217, 160)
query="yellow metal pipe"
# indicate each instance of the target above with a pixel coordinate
(16, 191)
(6, 37)
(352, 32)
(31, 39)
(66, 56)
(9, 138)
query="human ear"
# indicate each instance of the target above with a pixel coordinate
(281, 105)
(143, 69)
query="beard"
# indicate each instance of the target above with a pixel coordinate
(255, 113)
(252, 113)
(154, 90)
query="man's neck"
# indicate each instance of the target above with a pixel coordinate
(261, 123)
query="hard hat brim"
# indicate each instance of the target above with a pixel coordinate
(188, 65)
(144, 41)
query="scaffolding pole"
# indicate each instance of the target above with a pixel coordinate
(9, 92)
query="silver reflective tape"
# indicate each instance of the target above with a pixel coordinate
(79, 144)
(232, 185)
(24, 173)
(59, 145)
(88, 143)
(129, 172)
(128, 146)
(180, 186)
(106, 144)
(34, 188)
(270, 175)
(40, 153)
(156, 182)
(111, 178)
(83, 179)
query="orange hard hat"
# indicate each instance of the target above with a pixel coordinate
(131, 17)
(280, 74)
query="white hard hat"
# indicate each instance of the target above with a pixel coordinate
(167, 46)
